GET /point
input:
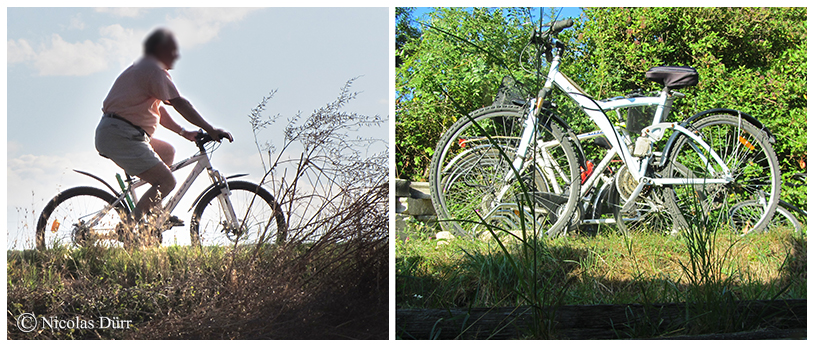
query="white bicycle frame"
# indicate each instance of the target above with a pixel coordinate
(201, 161)
(595, 110)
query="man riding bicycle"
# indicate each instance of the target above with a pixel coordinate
(132, 112)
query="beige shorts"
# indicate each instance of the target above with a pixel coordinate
(126, 145)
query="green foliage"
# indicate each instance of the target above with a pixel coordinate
(405, 30)
(454, 68)
(749, 59)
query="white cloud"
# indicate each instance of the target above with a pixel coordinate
(123, 45)
(195, 26)
(19, 51)
(129, 12)
(117, 44)
(12, 147)
(76, 22)
(62, 58)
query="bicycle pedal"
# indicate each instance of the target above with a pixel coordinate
(174, 221)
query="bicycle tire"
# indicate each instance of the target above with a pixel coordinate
(737, 218)
(466, 175)
(265, 223)
(67, 212)
(747, 152)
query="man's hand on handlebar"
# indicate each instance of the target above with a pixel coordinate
(218, 134)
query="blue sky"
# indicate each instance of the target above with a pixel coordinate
(61, 63)
(567, 12)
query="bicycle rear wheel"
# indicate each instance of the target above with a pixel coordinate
(471, 177)
(66, 221)
(259, 215)
(748, 154)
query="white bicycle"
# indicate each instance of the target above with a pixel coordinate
(227, 212)
(503, 162)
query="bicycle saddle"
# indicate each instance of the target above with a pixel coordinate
(673, 77)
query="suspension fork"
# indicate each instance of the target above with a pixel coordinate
(223, 199)
(529, 129)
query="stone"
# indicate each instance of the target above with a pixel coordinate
(417, 207)
(402, 188)
(400, 208)
(444, 235)
(420, 190)
(401, 224)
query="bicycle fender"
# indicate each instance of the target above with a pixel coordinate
(668, 148)
(211, 187)
(115, 193)
(749, 118)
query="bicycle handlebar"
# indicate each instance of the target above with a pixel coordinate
(554, 28)
(560, 25)
(203, 138)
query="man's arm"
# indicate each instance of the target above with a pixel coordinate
(169, 123)
(189, 113)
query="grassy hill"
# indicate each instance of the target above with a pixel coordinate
(272, 292)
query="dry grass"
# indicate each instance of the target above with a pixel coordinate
(327, 280)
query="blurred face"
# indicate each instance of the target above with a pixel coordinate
(168, 53)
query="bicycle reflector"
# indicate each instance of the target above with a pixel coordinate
(55, 225)
(584, 173)
(746, 143)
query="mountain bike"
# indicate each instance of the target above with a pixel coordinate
(227, 212)
(520, 165)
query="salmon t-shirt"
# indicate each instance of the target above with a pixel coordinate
(138, 93)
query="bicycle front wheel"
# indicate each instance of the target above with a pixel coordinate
(472, 181)
(753, 166)
(75, 218)
(259, 217)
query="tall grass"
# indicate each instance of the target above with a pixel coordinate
(524, 255)
(605, 269)
(328, 279)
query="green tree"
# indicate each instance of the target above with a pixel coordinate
(455, 66)
(405, 30)
(748, 59)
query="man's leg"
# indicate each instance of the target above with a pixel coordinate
(162, 181)
(164, 150)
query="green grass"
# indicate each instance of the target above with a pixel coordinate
(211, 293)
(605, 269)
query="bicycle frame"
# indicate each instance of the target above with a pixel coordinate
(595, 110)
(201, 161)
